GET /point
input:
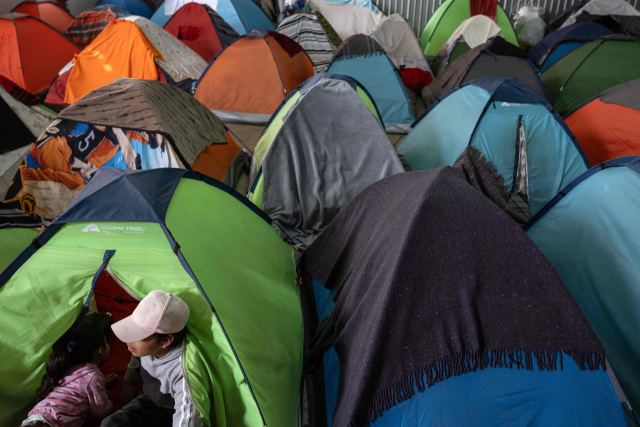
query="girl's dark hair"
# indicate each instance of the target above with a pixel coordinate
(73, 348)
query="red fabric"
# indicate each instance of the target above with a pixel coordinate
(606, 131)
(111, 298)
(55, 96)
(415, 78)
(484, 7)
(195, 17)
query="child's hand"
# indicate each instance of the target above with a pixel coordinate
(110, 379)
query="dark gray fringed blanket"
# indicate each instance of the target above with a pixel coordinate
(432, 280)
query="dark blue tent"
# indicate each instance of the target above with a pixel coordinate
(137, 7)
(557, 44)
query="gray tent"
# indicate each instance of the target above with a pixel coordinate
(498, 58)
(323, 146)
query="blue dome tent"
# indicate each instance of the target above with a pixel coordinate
(362, 58)
(589, 232)
(136, 7)
(527, 142)
(242, 15)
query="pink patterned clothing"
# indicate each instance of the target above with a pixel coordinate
(80, 393)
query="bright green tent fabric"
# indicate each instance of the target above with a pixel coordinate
(245, 329)
(592, 68)
(449, 16)
(12, 242)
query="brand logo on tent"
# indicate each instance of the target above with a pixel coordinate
(91, 227)
(513, 104)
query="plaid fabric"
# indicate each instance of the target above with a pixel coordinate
(27, 98)
(88, 25)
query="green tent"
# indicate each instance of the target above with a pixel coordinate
(17, 230)
(592, 68)
(449, 16)
(184, 233)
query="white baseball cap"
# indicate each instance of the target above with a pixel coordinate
(158, 312)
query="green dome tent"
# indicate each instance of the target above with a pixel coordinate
(592, 68)
(17, 230)
(450, 15)
(184, 233)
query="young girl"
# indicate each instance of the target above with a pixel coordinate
(73, 387)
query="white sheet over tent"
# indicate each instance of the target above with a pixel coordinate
(306, 30)
(476, 30)
(36, 120)
(399, 43)
(172, 6)
(348, 20)
(603, 7)
(179, 60)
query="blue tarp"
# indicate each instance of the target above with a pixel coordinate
(379, 76)
(486, 113)
(591, 236)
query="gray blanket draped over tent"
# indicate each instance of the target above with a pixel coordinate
(327, 151)
(428, 250)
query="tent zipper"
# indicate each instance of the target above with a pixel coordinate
(122, 285)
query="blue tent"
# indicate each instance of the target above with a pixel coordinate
(590, 233)
(557, 44)
(363, 59)
(242, 15)
(136, 7)
(522, 136)
(159, 18)
(566, 397)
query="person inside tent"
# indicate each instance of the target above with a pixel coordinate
(154, 334)
(73, 387)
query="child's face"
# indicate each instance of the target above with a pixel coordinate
(149, 346)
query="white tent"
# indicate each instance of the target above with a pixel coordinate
(603, 7)
(400, 44)
(347, 19)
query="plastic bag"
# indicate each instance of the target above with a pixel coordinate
(530, 25)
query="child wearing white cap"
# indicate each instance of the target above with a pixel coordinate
(154, 334)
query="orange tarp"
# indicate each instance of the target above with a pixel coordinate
(214, 161)
(248, 76)
(606, 131)
(46, 12)
(32, 53)
(121, 50)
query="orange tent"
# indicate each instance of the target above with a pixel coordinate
(250, 78)
(121, 50)
(46, 11)
(32, 52)
(607, 126)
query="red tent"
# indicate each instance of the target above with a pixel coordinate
(32, 52)
(46, 11)
(202, 29)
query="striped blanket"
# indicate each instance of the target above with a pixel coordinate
(306, 30)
